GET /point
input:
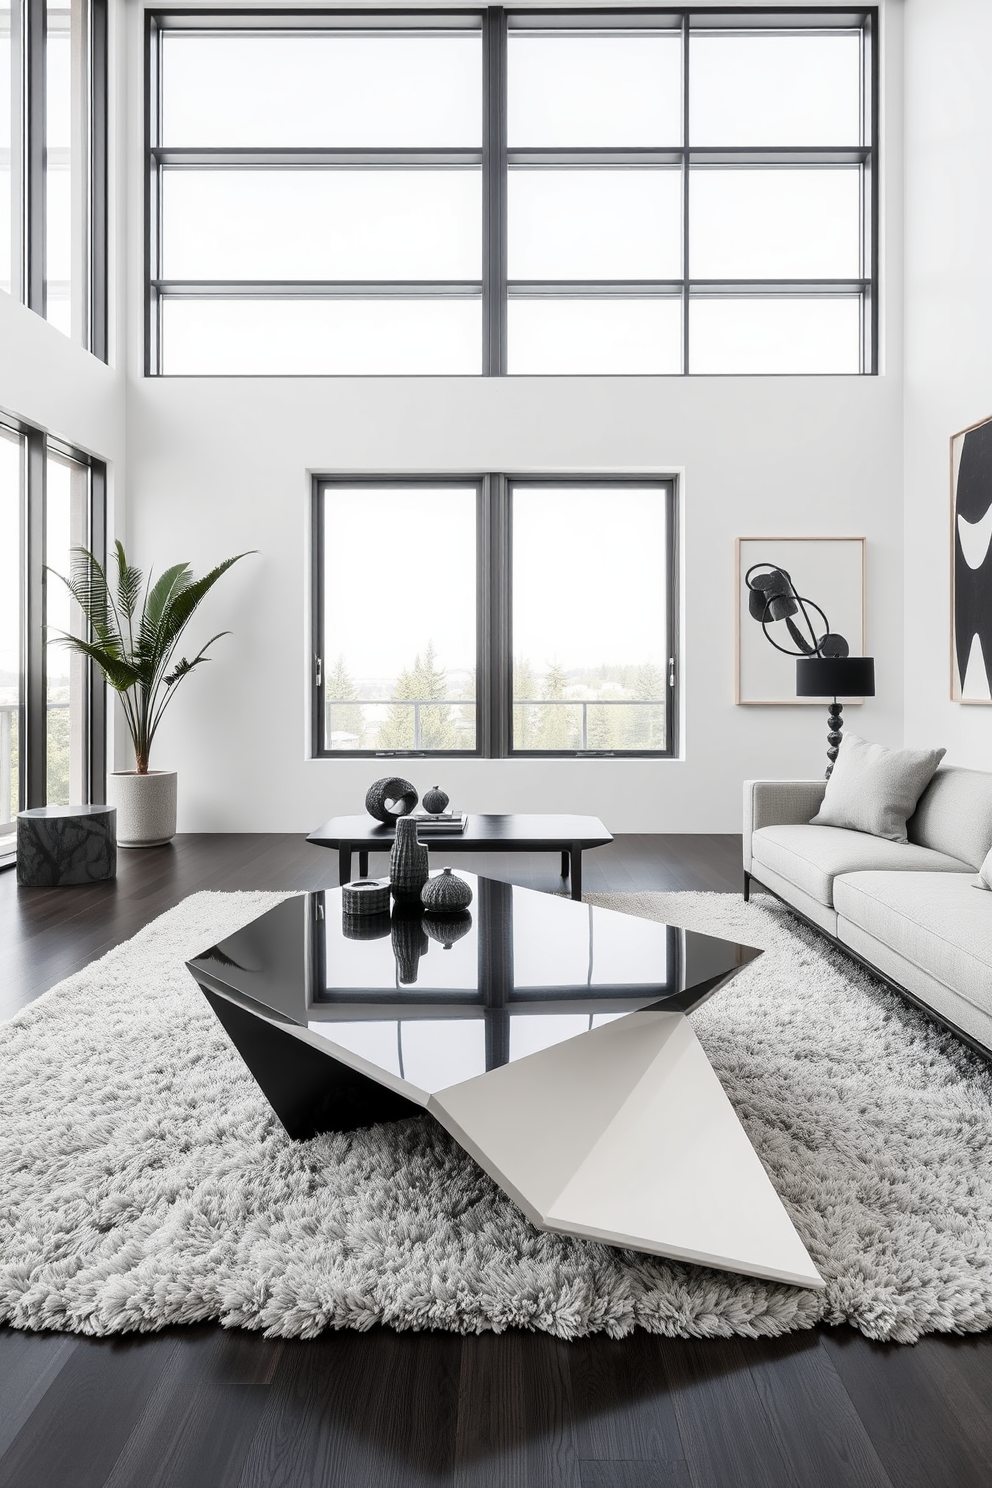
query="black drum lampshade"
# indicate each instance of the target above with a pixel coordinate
(835, 676)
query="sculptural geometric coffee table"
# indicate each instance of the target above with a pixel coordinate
(550, 1038)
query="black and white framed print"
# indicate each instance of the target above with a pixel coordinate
(971, 564)
(830, 571)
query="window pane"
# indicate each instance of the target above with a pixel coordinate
(399, 668)
(775, 90)
(320, 89)
(67, 511)
(594, 336)
(346, 224)
(589, 675)
(314, 338)
(775, 224)
(603, 224)
(10, 632)
(594, 90)
(765, 335)
(66, 176)
(8, 136)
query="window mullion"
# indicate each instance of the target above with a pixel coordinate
(494, 189)
(35, 746)
(33, 153)
(685, 193)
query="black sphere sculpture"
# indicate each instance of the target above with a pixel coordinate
(446, 893)
(390, 798)
(825, 666)
(435, 800)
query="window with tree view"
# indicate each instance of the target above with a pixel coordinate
(519, 192)
(518, 616)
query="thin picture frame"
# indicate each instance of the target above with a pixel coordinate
(961, 568)
(844, 597)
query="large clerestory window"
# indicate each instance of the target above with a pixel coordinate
(498, 192)
(496, 616)
(53, 163)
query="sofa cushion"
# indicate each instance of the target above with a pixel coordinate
(954, 814)
(874, 789)
(984, 879)
(934, 920)
(811, 857)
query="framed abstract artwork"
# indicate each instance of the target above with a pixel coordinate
(971, 564)
(830, 571)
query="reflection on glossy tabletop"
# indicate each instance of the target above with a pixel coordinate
(435, 1000)
(549, 1037)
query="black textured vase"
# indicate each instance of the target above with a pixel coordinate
(435, 800)
(390, 798)
(446, 893)
(408, 863)
(409, 944)
(447, 928)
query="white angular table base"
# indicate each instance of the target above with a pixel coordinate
(624, 1134)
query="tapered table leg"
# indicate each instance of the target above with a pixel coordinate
(575, 870)
(344, 863)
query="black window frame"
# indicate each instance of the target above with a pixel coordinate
(496, 158)
(494, 609)
(34, 578)
(30, 286)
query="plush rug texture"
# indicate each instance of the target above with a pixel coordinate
(144, 1180)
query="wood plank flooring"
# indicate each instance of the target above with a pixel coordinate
(206, 1408)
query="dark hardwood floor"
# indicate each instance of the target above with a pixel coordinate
(205, 1408)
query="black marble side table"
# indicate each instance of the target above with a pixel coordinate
(61, 845)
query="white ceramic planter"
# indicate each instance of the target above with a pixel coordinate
(146, 807)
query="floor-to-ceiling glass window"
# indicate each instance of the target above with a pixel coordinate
(66, 527)
(11, 487)
(52, 703)
(67, 131)
(9, 138)
(53, 114)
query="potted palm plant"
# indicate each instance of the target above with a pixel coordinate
(134, 633)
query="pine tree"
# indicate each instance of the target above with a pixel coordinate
(649, 686)
(525, 720)
(345, 714)
(559, 727)
(425, 681)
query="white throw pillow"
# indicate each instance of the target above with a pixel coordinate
(874, 789)
(984, 879)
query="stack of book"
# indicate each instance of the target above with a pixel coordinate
(429, 822)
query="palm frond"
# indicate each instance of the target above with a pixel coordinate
(183, 667)
(129, 581)
(119, 672)
(180, 608)
(165, 588)
(138, 669)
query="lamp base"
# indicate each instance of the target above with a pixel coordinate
(835, 731)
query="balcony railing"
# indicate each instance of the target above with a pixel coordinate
(9, 785)
(345, 739)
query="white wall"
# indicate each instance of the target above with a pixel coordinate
(948, 327)
(217, 465)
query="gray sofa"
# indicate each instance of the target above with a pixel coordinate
(909, 910)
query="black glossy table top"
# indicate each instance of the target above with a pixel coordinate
(551, 830)
(438, 1000)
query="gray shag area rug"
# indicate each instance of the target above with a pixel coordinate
(144, 1181)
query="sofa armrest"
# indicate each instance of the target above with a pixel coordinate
(776, 803)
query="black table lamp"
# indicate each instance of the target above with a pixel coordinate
(834, 677)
